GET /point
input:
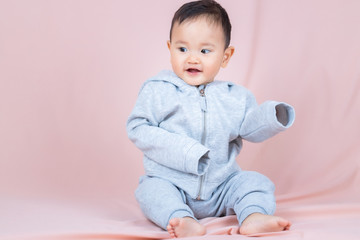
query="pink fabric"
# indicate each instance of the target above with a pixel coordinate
(70, 72)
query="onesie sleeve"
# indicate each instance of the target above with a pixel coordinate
(172, 150)
(266, 120)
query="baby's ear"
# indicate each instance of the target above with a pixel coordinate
(227, 55)
(169, 44)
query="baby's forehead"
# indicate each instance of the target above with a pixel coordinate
(209, 19)
(207, 23)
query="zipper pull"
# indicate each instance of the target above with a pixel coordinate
(203, 98)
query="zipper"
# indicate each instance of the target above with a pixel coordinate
(203, 136)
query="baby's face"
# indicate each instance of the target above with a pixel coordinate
(197, 51)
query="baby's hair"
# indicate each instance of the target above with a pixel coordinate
(208, 8)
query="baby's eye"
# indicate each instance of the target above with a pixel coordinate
(182, 49)
(205, 51)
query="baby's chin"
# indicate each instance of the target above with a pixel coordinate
(196, 82)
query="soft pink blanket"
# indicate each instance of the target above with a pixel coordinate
(70, 72)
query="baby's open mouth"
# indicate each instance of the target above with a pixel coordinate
(193, 70)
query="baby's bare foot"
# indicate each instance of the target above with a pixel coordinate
(185, 227)
(260, 223)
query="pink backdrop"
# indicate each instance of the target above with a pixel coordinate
(70, 72)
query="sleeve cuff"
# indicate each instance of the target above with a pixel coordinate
(197, 160)
(285, 112)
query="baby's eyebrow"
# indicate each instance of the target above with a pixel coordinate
(208, 44)
(180, 42)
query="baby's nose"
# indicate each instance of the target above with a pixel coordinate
(193, 59)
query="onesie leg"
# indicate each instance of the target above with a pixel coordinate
(161, 201)
(250, 192)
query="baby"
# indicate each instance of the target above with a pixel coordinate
(190, 129)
